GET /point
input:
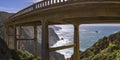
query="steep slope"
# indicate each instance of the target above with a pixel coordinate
(3, 17)
(107, 48)
(10, 54)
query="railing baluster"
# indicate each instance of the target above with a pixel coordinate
(46, 3)
(59, 1)
(40, 5)
(55, 1)
(43, 4)
(35, 6)
(52, 1)
(49, 2)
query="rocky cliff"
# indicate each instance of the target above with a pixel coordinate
(3, 17)
(107, 48)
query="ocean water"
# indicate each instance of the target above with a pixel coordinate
(91, 34)
(88, 35)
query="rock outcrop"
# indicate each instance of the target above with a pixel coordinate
(3, 17)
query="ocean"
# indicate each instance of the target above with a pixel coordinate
(91, 34)
(88, 35)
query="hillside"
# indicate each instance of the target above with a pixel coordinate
(107, 48)
(10, 54)
(3, 17)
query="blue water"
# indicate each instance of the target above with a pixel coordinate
(91, 34)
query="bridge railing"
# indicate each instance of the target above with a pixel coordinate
(43, 4)
(39, 5)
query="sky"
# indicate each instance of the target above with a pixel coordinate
(13, 6)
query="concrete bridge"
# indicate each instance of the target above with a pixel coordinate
(52, 12)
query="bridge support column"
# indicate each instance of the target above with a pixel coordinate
(35, 42)
(17, 35)
(15, 41)
(45, 42)
(20, 36)
(76, 42)
(10, 37)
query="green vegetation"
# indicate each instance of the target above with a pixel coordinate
(107, 48)
(25, 55)
(8, 54)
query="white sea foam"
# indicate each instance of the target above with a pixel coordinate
(66, 52)
(66, 36)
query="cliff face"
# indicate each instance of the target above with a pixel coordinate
(3, 17)
(107, 48)
(53, 37)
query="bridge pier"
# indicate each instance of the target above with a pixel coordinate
(10, 36)
(20, 37)
(35, 42)
(76, 42)
(45, 42)
(15, 40)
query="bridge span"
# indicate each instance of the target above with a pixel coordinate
(52, 12)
